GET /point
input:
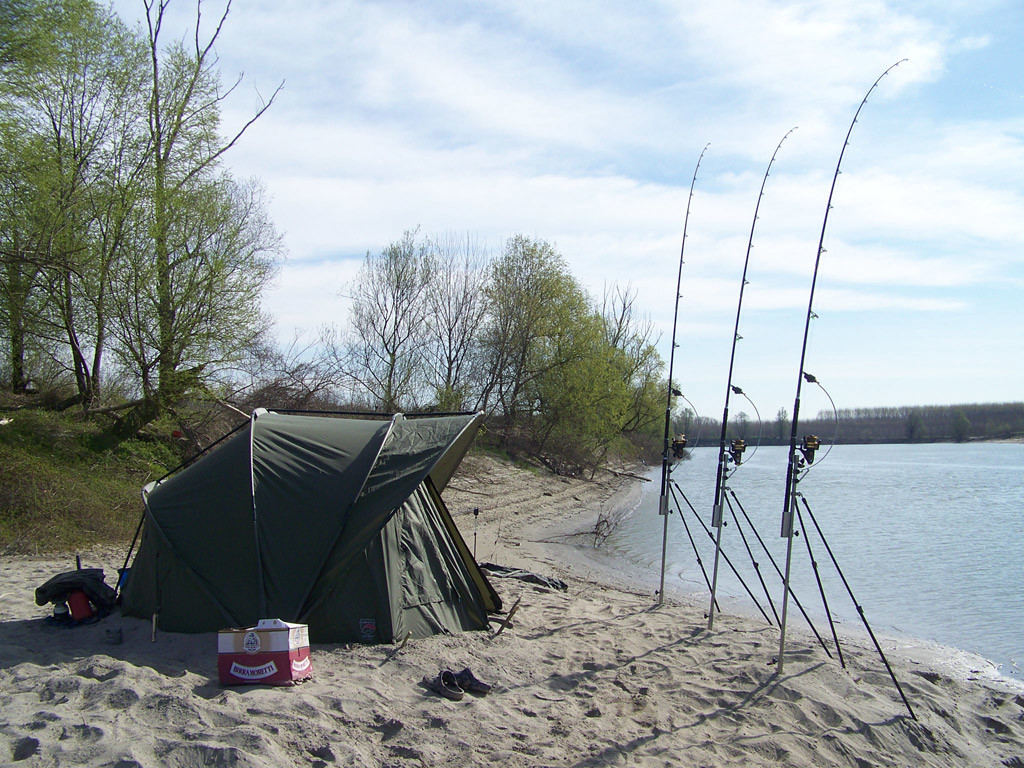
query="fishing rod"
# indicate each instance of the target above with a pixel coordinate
(693, 544)
(817, 578)
(663, 507)
(750, 554)
(796, 459)
(835, 562)
(723, 455)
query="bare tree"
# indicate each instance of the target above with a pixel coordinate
(388, 331)
(455, 312)
(633, 339)
(296, 375)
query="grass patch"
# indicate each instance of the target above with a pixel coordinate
(59, 492)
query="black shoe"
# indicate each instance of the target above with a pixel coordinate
(468, 681)
(445, 685)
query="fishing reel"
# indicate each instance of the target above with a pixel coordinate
(679, 447)
(810, 444)
(736, 449)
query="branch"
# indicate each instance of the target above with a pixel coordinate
(212, 158)
(113, 408)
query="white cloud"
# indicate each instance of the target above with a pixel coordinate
(307, 296)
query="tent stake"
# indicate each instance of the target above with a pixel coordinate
(508, 619)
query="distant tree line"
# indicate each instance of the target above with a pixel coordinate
(900, 424)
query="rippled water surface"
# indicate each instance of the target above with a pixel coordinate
(929, 537)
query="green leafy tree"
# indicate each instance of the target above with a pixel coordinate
(21, 251)
(224, 255)
(582, 404)
(71, 79)
(27, 37)
(533, 306)
(90, 108)
(196, 257)
(25, 49)
(553, 379)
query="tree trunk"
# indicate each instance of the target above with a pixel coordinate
(128, 426)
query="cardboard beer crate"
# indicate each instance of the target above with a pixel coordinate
(273, 652)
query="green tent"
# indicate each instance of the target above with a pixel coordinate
(330, 521)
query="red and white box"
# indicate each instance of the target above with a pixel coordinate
(273, 652)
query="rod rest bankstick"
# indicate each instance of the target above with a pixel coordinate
(860, 610)
(696, 552)
(675, 489)
(796, 600)
(753, 560)
(821, 587)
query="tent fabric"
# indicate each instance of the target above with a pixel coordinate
(333, 522)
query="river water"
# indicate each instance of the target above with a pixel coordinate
(930, 539)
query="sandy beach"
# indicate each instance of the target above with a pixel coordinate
(597, 674)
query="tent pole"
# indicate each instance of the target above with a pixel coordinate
(261, 592)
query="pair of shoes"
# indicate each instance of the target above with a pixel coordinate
(445, 685)
(469, 682)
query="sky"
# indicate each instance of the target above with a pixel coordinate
(581, 123)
